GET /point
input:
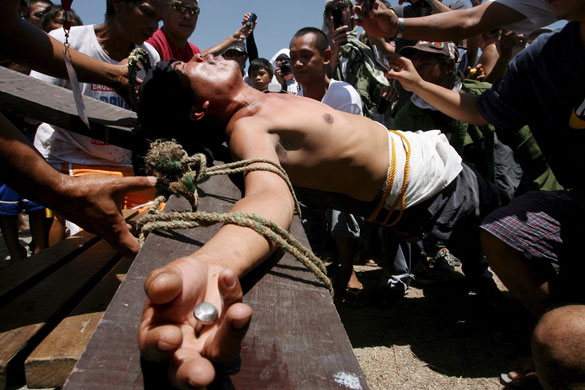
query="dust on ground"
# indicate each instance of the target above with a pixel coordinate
(437, 337)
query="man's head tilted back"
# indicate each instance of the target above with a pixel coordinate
(163, 112)
(164, 101)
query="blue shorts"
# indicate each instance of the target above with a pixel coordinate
(12, 203)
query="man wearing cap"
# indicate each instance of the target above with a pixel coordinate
(435, 62)
(237, 52)
(542, 230)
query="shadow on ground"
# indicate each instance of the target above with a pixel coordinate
(452, 332)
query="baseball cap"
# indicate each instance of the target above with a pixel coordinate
(447, 49)
(238, 46)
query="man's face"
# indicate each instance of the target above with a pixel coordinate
(181, 18)
(260, 79)
(308, 65)
(569, 9)
(238, 56)
(140, 20)
(429, 67)
(202, 74)
(36, 12)
(57, 21)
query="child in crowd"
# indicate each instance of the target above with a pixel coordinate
(260, 72)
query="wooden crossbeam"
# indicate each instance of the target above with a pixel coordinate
(295, 341)
(52, 361)
(35, 99)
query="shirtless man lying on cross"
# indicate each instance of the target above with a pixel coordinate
(321, 149)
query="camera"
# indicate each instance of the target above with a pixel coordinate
(285, 68)
(251, 21)
(337, 14)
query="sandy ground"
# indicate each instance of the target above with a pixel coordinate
(434, 338)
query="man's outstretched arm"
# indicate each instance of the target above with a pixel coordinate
(91, 201)
(212, 275)
(446, 26)
(454, 104)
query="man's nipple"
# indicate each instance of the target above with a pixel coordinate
(328, 118)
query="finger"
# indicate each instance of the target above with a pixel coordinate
(229, 288)
(160, 342)
(163, 285)
(123, 241)
(226, 344)
(136, 183)
(190, 370)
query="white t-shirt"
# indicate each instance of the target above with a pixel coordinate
(539, 13)
(342, 96)
(434, 164)
(58, 145)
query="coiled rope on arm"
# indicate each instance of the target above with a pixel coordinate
(179, 173)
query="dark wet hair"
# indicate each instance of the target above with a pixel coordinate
(321, 41)
(163, 112)
(261, 63)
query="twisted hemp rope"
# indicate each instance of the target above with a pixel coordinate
(179, 173)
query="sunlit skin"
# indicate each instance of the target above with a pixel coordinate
(313, 142)
(238, 56)
(132, 24)
(309, 66)
(180, 25)
(260, 79)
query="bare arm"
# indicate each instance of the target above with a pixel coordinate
(27, 45)
(92, 201)
(459, 106)
(212, 274)
(239, 35)
(489, 58)
(510, 45)
(337, 38)
(447, 26)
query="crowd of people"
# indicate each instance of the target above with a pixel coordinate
(442, 135)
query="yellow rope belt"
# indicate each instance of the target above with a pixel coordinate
(389, 183)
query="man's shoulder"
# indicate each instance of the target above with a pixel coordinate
(336, 85)
(343, 96)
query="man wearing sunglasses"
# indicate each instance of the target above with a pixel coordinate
(171, 40)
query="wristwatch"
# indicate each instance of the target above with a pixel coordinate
(401, 26)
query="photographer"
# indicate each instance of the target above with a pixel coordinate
(283, 74)
(351, 60)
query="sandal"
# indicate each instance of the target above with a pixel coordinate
(524, 378)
